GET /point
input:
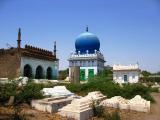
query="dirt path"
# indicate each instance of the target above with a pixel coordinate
(155, 109)
(7, 113)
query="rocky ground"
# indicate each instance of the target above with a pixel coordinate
(26, 112)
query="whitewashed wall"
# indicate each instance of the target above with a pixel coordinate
(95, 70)
(34, 63)
(133, 76)
(87, 69)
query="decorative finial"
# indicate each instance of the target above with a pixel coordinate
(55, 49)
(19, 38)
(137, 63)
(19, 34)
(87, 28)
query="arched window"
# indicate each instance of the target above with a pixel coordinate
(39, 73)
(49, 73)
(27, 72)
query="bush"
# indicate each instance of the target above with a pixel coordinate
(29, 92)
(130, 90)
(7, 90)
(99, 112)
(156, 89)
(151, 79)
(63, 74)
(22, 94)
(107, 87)
(98, 83)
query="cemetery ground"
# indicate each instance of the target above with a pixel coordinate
(31, 114)
(21, 110)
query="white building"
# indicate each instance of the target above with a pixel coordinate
(126, 73)
(87, 55)
(28, 61)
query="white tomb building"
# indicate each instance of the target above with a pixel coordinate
(87, 55)
(126, 73)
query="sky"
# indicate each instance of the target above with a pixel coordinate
(129, 30)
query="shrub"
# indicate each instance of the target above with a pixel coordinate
(100, 112)
(22, 94)
(63, 74)
(29, 92)
(107, 87)
(130, 90)
(155, 89)
(151, 79)
(7, 90)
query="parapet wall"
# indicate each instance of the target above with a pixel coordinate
(36, 49)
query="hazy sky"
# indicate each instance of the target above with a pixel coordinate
(129, 30)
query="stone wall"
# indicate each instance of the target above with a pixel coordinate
(10, 64)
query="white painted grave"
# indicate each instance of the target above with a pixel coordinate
(80, 109)
(115, 102)
(56, 91)
(50, 104)
(96, 96)
(137, 103)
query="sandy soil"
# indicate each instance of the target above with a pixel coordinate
(30, 114)
(7, 113)
(155, 109)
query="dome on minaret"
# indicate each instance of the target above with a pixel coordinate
(87, 42)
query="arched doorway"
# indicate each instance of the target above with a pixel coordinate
(49, 73)
(27, 72)
(39, 73)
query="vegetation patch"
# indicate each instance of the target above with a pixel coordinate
(101, 114)
(110, 89)
(102, 83)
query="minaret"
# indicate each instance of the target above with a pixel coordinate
(87, 28)
(55, 48)
(19, 39)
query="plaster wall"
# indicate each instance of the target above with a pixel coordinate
(34, 63)
(132, 76)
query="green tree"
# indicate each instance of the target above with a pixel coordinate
(158, 73)
(145, 73)
(63, 74)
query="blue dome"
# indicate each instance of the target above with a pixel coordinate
(87, 41)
